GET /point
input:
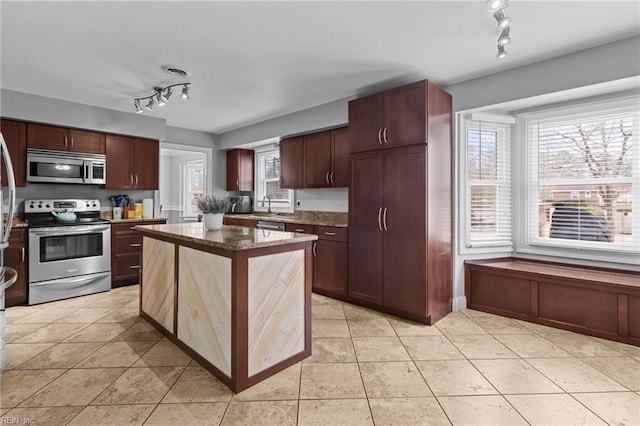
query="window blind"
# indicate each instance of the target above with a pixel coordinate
(488, 183)
(583, 173)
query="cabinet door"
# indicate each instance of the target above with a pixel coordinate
(291, 160)
(405, 116)
(340, 157)
(365, 234)
(88, 142)
(47, 137)
(240, 170)
(119, 154)
(404, 221)
(366, 122)
(15, 256)
(330, 267)
(15, 135)
(317, 160)
(146, 159)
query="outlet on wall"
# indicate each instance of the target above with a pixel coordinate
(297, 203)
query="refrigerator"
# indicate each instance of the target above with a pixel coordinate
(8, 275)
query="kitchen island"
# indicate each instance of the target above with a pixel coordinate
(237, 300)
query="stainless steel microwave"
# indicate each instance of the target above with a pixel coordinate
(65, 167)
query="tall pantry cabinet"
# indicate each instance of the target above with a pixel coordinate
(400, 202)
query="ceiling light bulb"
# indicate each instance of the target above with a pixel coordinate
(496, 4)
(502, 18)
(504, 38)
(136, 103)
(501, 52)
(185, 92)
(149, 105)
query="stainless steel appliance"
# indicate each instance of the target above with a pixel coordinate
(266, 224)
(9, 275)
(240, 204)
(65, 167)
(67, 259)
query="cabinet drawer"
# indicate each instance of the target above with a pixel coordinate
(124, 228)
(236, 221)
(331, 233)
(297, 227)
(18, 235)
(125, 267)
(127, 244)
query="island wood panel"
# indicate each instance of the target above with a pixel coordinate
(204, 297)
(276, 309)
(158, 276)
(634, 316)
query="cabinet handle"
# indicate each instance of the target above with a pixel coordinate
(136, 179)
(65, 141)
(22, 254)
(326, 177)
(298, 230)
(331, 177)
(384, 135)
(134, 245)
(132, 227)
(313, 249)
(379, 218)
(384, 219)
(134, 267)
(331, 234)
(238, 184)
(380, 136)
(71, 141)
(130, 180)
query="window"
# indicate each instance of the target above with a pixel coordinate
(583, 174)
(193, 187)
(487, 192)
(268, 181)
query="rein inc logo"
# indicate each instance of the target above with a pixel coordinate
(15, 420)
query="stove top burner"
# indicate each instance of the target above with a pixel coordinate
(42, 222)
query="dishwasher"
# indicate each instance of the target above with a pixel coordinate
(275, 226)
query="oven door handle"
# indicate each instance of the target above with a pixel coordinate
(70, 283)
(68, 230)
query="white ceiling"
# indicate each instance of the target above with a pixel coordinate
(251, 61)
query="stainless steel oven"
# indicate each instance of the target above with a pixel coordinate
(68, 259)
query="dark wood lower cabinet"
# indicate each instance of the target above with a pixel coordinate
(15, 256)
(235, 221)
(125, 252)
(330, 265)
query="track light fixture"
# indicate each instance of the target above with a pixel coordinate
(160, 96)
(497, 8)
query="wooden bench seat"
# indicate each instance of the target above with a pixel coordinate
(595, 301)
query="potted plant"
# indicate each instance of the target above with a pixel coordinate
(213, 209)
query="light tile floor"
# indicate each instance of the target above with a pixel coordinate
(93, 361)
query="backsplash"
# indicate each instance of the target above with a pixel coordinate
(322, 200)
(34, 191)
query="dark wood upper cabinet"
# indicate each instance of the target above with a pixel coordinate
(291, 163)
(146, 160)
(15, 135)
(240, 169)
(400, 206)
(132, 163)
(390, 119)
(88, 142)
(340, 157)
(317, 160)
(57, 138)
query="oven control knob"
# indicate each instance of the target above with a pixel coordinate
(87, 205)
(47, 206)
(93, 205)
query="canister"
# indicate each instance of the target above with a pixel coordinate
(138, 210)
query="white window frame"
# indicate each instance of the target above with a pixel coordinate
(526, 193)
(186, 186)
(260, 185)
(502, 125)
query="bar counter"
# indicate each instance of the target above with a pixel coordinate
(237, 300)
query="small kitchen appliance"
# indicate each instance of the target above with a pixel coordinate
(67, 258)
(240, 204)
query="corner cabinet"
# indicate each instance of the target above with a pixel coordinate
(15, 256)
(400, 214)
(125, 252)
(15, 135)
(240, 169)
(132, 163)
(62, 139)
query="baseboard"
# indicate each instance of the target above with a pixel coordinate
(459, 303)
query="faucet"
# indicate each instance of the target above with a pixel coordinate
(268, 197)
